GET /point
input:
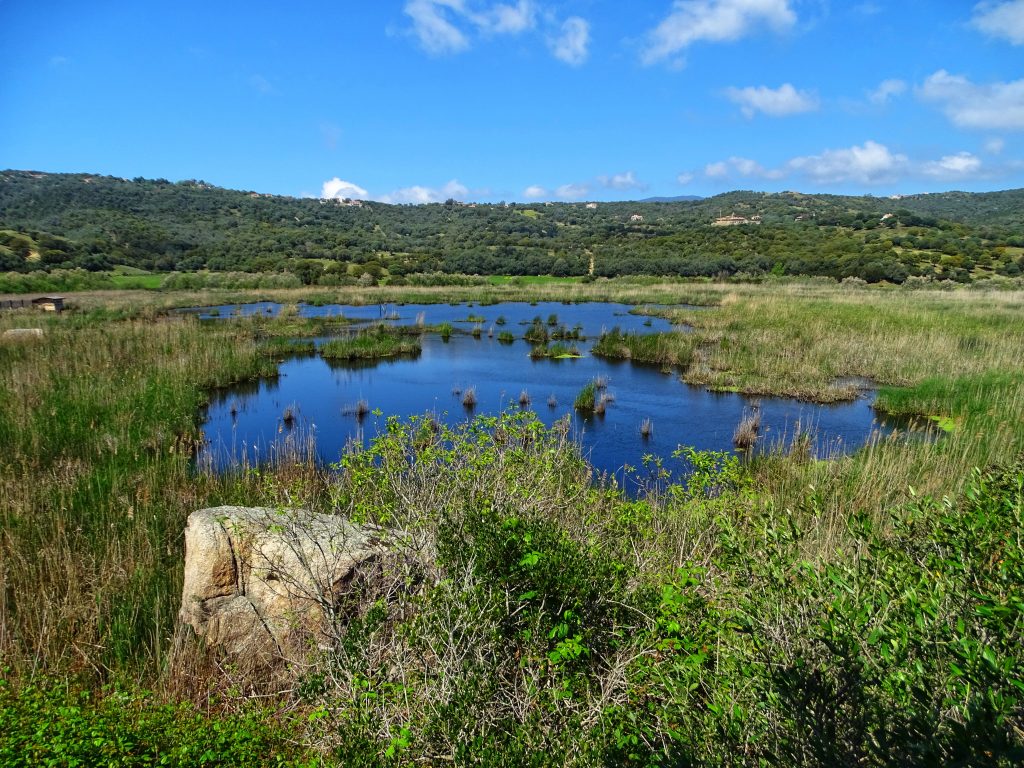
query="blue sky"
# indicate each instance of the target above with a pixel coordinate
(520, 99)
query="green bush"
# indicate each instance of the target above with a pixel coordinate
(57, 726)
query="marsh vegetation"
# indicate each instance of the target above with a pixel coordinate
(778, 610)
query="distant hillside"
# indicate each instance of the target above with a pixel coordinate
(676, 199)
(59, 221)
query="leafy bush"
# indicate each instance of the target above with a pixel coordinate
(60, 727)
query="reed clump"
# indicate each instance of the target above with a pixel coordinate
(556, 351)
(586, 398)
(745, 434)
(374, 343)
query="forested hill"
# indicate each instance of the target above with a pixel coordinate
(51, 221)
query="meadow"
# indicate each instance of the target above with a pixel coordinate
(780, 609)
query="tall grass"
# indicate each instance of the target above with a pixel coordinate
(100, 420)
(674, 348)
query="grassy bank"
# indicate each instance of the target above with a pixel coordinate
(667, 349)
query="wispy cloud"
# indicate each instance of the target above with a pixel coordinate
(869, 163)
(867, 9)
(430, 23)
(685, 178)
(331, 135)
(740, 167)
(261, 84)
(992, 106)
(573, 41)
(1004, 20)
(625, 181)
(445, 27)
(419, 194)
(691, 21)
(775, 102)
(341, 189)
(622, 181)
(572, 191)
(995, 145)
(958, 166)
(886, 90)
(866, 164)
(509, 19)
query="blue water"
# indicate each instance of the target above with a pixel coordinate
(592, 316)
(247, 421)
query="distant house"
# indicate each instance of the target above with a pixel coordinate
(636, 217)
(732, 220)
(591, 205)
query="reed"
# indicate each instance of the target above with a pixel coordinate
(586, 398)
(96, 484)
(374, 343)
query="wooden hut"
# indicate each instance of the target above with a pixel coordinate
(49, 303)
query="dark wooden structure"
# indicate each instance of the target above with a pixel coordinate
(45, 303)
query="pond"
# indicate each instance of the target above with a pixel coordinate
(247, 421)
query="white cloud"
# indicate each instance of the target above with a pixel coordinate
(719, 170)
(715, 21)
(509, 19)
(886, 90)
(740, 166)
(572, 191)
(995, 145)
(1003, 20)
(341, 189)
(953, 166)
(784, 100)
(436, 22)
(417, 195)
(684, 178)
(996, 106)
(627, 180)
(870, 163)
(534, 191)
(436, 33)
(572, 43)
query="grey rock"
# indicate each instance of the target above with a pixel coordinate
(269, 586)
